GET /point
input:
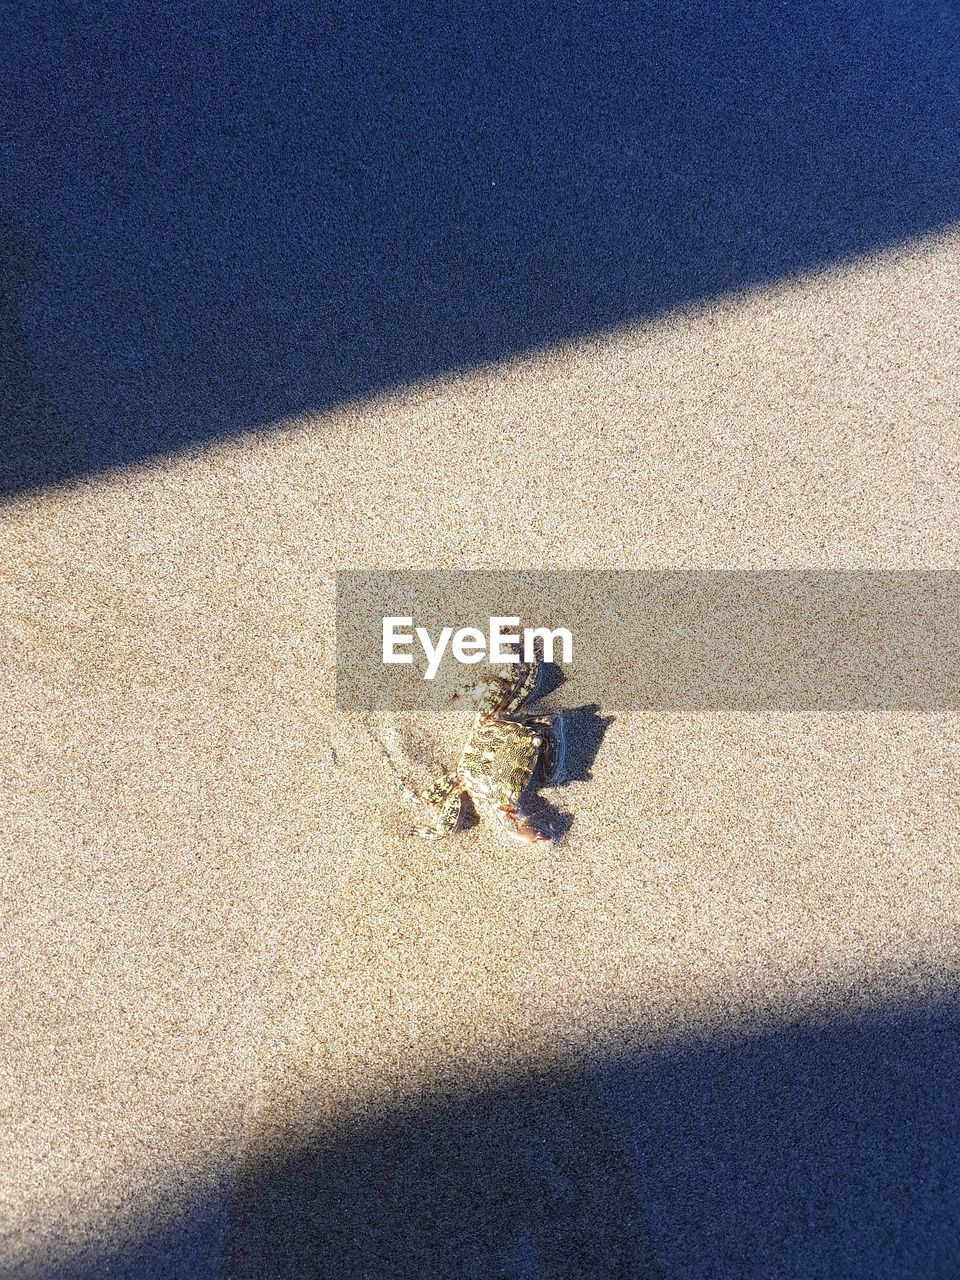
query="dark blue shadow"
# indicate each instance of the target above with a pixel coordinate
(826, 1151)
(238, 212)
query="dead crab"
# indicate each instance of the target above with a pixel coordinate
(504, 749)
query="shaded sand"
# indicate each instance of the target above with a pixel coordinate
(253, 1030)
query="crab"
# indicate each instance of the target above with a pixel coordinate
(505, 747)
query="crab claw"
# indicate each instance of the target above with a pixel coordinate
(521, 829)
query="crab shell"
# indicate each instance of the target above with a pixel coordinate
(496, 765)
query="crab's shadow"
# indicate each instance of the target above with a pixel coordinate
(583, 730)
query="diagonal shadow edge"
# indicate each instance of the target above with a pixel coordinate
(317, 208)
(824, 1146)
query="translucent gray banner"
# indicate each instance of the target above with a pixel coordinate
(674, 640)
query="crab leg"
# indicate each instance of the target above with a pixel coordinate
(445, 795)
(434, 795)
(448, 817)
(525, 685)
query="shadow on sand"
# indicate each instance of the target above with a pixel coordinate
(827, 1149)
(583, 732)
(250, 211)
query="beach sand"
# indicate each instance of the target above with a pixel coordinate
(252, 1029)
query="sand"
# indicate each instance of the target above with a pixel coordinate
(251, 1029)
